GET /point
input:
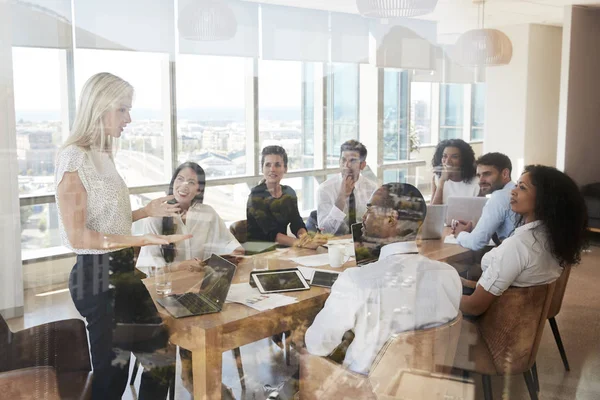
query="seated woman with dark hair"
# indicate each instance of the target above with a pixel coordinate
(272, 206)
(454, 171)
(210, 233)
(551, 236)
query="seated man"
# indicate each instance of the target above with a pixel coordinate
(399, 292)
(497, 219)
(342, 200)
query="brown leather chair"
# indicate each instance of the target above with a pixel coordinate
(49, 361)
(555, 305)
(505, 339)
(430, 350)
(239, 229)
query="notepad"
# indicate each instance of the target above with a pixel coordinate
(450, 239)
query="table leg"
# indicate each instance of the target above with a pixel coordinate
(207, 366)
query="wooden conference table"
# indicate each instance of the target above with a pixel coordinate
(208, 336)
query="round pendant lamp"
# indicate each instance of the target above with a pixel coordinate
(207, 20)
(395, 8)
(483, 47)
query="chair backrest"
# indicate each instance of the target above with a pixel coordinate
(239, 229)
(559, 292)
(513, 325)
(430, 350)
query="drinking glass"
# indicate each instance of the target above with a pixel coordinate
(162, 276)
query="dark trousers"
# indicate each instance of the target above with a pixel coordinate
(106, 292)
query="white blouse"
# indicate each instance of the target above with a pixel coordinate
(459, 189)
(522, 260)
(108, 205)
(210, 236)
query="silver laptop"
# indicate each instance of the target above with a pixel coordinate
(465, 209)
(433, 226)
(210, 298)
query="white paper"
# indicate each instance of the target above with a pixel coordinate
(245, 294)
(312, 261)
(450, 239)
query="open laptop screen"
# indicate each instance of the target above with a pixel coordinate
(218, 275)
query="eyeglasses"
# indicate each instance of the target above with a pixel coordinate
(351, 161)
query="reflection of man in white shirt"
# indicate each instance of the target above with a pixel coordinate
(334, 202)
(397, 293)
(497, 218)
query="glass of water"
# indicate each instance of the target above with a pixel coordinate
(162, 276)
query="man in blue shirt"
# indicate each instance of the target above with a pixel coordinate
(497, 220)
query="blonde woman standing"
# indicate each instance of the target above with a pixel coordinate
(95, 220)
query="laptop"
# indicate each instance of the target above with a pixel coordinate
(364, 252)
(433, 226)
(210, 298)
(258, 247)
(465, 208)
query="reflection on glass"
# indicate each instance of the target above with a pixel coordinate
(395, 115)
(39, 227)
(420, 110)
(141, 148)
(211, 126)
(37, 116)
(451, 110)
(343, 110)
(280, 109)
(477, 110)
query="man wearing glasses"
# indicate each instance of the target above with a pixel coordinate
(342, 200)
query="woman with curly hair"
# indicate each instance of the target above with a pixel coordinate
(454, 171)
(551, 235)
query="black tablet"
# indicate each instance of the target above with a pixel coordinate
(324, 278)
(279, 281)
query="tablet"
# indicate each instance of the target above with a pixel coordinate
(324, 279)
(279, 281)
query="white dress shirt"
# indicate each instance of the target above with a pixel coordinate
(496, 217)
(522, 260)
(210, 236)
(330, 218)
(397, 293)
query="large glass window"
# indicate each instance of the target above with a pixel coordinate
(308, 114)
(38, 115)
(211, 126)
(140, 158)
(395, 115)
(477, 110)
(420, 111)
(343, 99)
(280, 102)
(451, 111)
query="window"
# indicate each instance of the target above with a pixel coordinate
(451, 111)
(343, 98)
(280, 102)
(39, 116)
(145, 143)
(420, 111)
(308, 114)
(395, 115)
(211, 120)
(477, 110)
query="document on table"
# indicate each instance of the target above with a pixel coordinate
(245, 294)
(312, 261)
(450, 239)
(406, 248)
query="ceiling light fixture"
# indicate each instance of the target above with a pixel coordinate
(395, 8)
(207, 20)
(483, 47)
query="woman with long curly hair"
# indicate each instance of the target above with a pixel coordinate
(551, 235)
(454, 171)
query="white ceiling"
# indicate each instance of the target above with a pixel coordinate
(457, 16)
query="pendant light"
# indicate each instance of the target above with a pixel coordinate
(207, 20)
(395, 8)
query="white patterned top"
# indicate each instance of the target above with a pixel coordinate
(108, 205)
